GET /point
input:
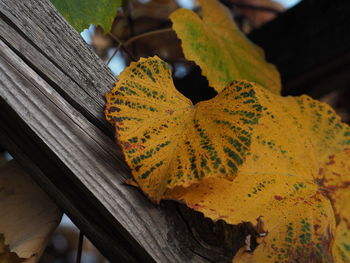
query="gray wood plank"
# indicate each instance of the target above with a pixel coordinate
(40, 35)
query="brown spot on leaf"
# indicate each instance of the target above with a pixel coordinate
(321, 171)
(337, 174)
(128, 146)
(278, 197)
(196, 206)
(331, 160)
(170, 112)
(316, 227)
(260, 226)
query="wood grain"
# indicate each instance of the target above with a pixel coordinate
(40, 36)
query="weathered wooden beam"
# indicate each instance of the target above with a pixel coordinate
(56, 138)
(51, 120)
(41, 37)
(310, 45)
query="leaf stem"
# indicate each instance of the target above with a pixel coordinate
(80, 246)
(114, 53)
(159, 31)
(122, 45)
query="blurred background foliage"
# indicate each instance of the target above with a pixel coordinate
(142, 29)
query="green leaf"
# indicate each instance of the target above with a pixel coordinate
(80, 14)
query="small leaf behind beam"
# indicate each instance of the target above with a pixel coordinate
(28, 216)
(6, 256)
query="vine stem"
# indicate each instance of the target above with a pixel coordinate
(159, 31)
(121, 43)
(124, 45)
(80, 247)
(114, 53)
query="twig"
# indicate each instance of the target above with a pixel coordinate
(159, 31)
(124, 45)
(114, 53)
(80, 247)
(131, 24)
(121, 43)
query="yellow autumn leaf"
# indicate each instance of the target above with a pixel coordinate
(279, 154)
(224, 54)
(276, 152)
(298, 220)
(166, 140)
(341, 248)
(302, 234)
(334, 178)
(296, 178)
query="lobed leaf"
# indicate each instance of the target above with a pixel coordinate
(246, 154)
(224, 54)
(81, 14)
(296, 175)
(169, 142)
